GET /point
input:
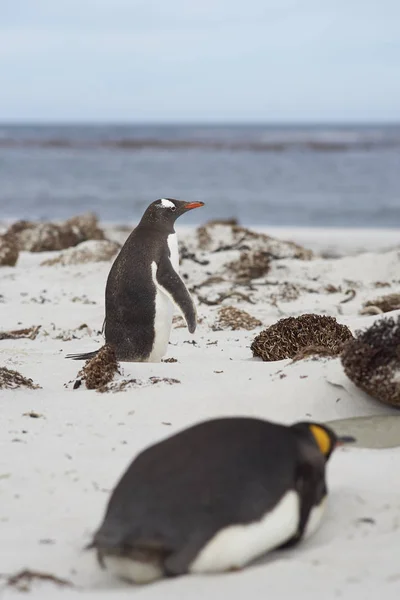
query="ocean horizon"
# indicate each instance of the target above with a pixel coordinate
(319, 175)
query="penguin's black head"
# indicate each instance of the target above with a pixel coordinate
(324, 437)
(165, 211)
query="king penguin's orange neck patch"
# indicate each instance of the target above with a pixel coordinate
(322, 438)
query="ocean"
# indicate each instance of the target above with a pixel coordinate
(342, 176)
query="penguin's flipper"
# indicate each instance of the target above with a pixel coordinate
(103, 326)
(311, 487)
(172, 285)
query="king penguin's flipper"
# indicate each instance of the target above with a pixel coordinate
(84, 356)
(311, 487)
(172, 285)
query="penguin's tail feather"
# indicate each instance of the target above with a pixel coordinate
(84, 356)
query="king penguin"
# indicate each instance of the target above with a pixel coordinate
(144, 285)
(215, 497)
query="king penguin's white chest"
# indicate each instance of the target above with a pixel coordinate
(164, 308)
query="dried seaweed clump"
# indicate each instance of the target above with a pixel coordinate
(204, 233)
(224, 236)
(40, 237)
(382, 304)
(8, 251)
(90, 251)
(250, 265)
(372, 360)
(23, 580)
(15, 334)
(100, 370)
(12, 379)
(287, 292)
(230, 317)
(299, 337)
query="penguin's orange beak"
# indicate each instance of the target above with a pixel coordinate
(345, 439)
(190, 205)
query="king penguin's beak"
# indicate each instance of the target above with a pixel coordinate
(190, 205)
(345, 439)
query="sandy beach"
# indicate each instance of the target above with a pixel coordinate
(63, 449)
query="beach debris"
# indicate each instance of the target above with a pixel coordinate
(169, 380)
(350, 294)
(381, 284)
(332, 289)
(30, 333)
(250, 265)
(11, 379)
(371, 310)
(23, 580)
(120, 386)
(372, 360)
(85, 252)
(66, 335)
(367, 520)
(184, 254)
(83, 299)
(230, 317)
(125, 384)
(209, 281)
(170, 360)
(178, 322)
(43, 236)
(33, 415)
(300, 337)
(235, 237)
(223, 296)
(287, 292)
(8, 251)
(204, 237)
(100, 370)
(380, 305)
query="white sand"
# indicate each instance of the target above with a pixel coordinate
(56, 471)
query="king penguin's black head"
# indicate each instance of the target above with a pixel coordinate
(324, 437)
(164, 212)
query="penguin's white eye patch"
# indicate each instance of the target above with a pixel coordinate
(167, 204)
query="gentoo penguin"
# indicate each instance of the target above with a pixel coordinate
(214, 497)
(144, 284)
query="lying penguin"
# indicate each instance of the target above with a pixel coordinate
(144, 285)
(214, 497)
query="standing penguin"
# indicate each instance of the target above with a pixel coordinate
(214, 497)
(144, 284)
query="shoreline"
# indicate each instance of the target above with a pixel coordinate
(344, 240)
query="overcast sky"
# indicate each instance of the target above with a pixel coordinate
(200, 60)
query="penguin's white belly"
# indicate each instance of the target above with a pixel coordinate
(174, 251)
(162, 326)
(132, 570)
(164, 307)
(237, 545)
